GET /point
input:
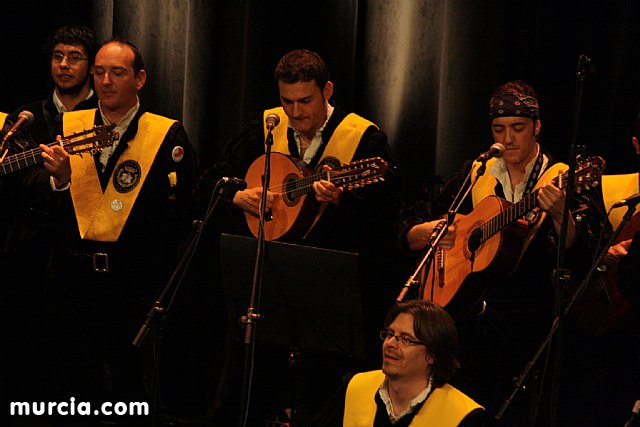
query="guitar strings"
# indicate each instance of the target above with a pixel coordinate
(304, 184)
(512, 213)
(34, 152)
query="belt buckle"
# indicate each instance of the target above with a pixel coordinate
(100, 262)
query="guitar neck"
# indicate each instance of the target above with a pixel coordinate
(516, 211)
(21, 160)
(302, 186)
(510, 215)
(338, 177)
(74, 144)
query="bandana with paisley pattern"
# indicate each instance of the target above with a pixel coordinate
(513, 104)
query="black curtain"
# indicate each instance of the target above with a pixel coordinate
(423, 69)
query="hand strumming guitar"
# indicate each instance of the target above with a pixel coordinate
(617, 252)
(249, 200)
(419, 235)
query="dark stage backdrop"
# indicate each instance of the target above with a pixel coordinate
(422, 69)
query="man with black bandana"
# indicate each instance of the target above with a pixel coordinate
(496, 345)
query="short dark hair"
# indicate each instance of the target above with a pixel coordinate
(516, 86)
(77, 35)
(436, 329)
(302, 65)
(138, 62)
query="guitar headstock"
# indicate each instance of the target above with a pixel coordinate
(588, 172)
(92, 140)
(360, 173)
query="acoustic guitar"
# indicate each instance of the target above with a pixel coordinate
(491, 239)
(294, 211)
(92, 140)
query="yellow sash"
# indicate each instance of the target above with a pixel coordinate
(618, 187)
(280, 141)
(3, 117)
(486, 184)
(102, 216)
(445, 407)
(342, 144)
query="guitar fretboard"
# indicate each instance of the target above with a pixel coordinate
(22, 160)
(354, 173)
(511, 214)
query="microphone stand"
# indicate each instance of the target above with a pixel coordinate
(441, 230)
(561, 275)
(557, 320)
(173, 285)
(250, 320)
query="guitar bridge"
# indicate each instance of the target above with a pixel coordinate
(440, 267)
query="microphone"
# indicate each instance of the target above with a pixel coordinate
(272, 120)
(629, 201)
(239, 184)
(25, 118)
(496, 150)
(586, 65)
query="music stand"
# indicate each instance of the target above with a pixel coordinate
(310, 297)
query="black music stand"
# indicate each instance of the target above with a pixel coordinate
(310, 298)
(311, 320)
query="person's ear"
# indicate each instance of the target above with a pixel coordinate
(141, 79)
(327, 92)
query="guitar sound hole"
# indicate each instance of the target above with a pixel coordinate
(291, 194)
(475, 240)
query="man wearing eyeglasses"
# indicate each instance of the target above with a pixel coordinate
(25, 217)
(71, 50)
(418, 358)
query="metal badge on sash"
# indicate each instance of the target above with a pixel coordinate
(127, 176)
(177, 154)
(117, 205)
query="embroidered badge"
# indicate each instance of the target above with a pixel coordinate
(127, 176)
(177, 154)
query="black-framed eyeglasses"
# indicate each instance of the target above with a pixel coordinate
(403, 339)
(72, 59)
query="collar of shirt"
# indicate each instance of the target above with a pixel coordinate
(316, 142)
(121, 128)
(60, 106)
(500, 172)
(383, 391)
